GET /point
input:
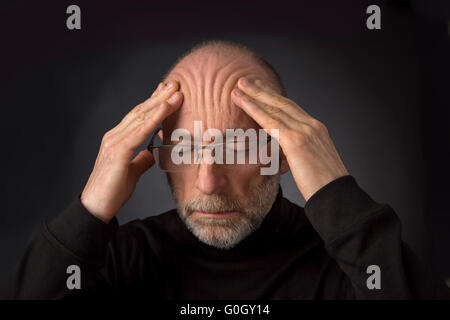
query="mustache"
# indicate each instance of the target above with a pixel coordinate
(214, 203)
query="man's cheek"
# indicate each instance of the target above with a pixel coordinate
(185, 183)
(176, 183)
(247, 181)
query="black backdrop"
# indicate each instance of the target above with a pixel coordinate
(382, 94)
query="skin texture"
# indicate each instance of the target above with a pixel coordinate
(206, 80)
(310, 152)
(115, 172)
(225, 88)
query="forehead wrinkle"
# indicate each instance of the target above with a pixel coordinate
(223, 92)
(208, 76)
(191, 87)
(222, 89)
(198, 79)
(183, 78)
(208, 83)
(196, 84)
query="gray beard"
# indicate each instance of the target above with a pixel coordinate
(228, 232)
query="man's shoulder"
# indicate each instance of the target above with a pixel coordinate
(163, 220)
(159, 225)
(293, 212)
(295, 223)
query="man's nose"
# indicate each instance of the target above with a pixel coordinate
(210, 179)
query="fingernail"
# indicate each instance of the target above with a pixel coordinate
(245, 82)
(173, 98)
(238, 92)
(259, 83)
(169, 85)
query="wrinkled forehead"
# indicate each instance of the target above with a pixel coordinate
(206, 82)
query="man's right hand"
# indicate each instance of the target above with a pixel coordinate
(115, 172)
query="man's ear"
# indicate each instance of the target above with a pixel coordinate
(284, 166)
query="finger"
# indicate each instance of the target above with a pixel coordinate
(175, 100)
(256, 112)
(161, 85)
(138, 113)
(141, 163)
(267, 115)
(160, 134)
(164, 93)
(264, 94)
(141, 133)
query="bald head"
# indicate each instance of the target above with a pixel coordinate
(207, 74)
(230, 48)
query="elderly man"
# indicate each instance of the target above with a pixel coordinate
(233, 235)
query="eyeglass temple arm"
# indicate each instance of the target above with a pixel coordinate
(150, 144)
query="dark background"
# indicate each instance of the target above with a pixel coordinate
(383, 94)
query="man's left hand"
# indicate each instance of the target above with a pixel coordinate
(309, 150)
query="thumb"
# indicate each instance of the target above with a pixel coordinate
(143, 161)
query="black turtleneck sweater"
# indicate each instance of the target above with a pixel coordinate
(321, 251)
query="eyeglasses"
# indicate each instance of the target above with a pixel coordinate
(235, 155)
